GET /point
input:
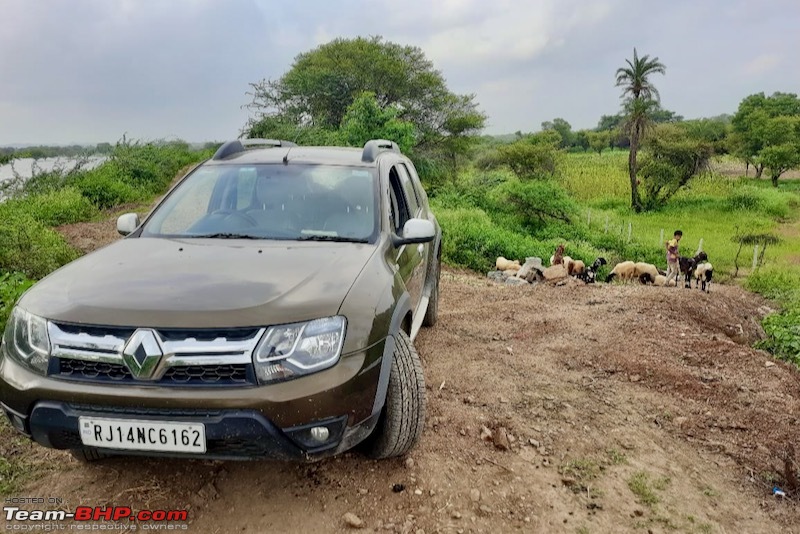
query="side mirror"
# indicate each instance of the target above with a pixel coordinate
(416, 231)
(127, 223)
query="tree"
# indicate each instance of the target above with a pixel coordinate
(781, 150)
(322, 84)
(765, 132)
(563, 128)
(599, 141)
(672, 160)
(640, 97)
(533, 157)
(365, 120)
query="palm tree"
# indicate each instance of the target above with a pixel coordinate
(640, 96)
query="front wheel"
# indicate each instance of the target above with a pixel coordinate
(88, 455)
(403, 415)
(432, 313)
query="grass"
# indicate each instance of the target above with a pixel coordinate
(14, 470)
(640, 485)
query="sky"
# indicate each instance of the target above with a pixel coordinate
(88, 71)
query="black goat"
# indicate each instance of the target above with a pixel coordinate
(688, 265)
(590, 273)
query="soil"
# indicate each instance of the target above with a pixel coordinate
(601, 408)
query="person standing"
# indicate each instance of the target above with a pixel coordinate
(673, 268)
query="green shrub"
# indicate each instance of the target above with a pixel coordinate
(754, 199)
(12, 286)
(533, 203)
(776, 284)
(104, 190)
(62, 206)
(471, 240)
(28, 246)
(783, 335)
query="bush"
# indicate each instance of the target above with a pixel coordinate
(776, 284)
(28, 246)
(783, 335)
(54, 208)
(12, 286)
(103, 190)
(533, 203)
(754, 199)
(471, 240)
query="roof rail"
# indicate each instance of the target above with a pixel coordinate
(240, 145)
(375, 146)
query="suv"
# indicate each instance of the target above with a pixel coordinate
(265, 308)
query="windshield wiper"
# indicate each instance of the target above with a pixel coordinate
(336, 238)
(224, 235)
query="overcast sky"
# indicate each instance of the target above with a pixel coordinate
(91, 70)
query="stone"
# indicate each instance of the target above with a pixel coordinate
(497, 276)
(511, 281)
(353, 521)
(486, 434)
(555, 272)
(474, 495)
(501, 439)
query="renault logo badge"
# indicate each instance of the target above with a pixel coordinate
(142, 353)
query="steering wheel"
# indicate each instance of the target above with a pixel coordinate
(236, 214)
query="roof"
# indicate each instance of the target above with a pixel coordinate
(283, 152)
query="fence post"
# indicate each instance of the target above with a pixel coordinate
(661, 239)
(700, 246)
(606, 229)
(755, 256)
(589, 218)
(630, 229)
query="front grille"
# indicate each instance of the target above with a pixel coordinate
(190, 357)
(209, 374)
(81, 369)
(190, 375)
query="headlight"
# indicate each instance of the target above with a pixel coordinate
(26, 340)
(298, 349)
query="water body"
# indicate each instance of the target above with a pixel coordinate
(27, 167)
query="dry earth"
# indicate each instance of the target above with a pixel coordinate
(626, 409)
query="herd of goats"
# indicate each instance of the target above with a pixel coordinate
(696, 267)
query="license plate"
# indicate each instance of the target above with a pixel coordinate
(132, 435)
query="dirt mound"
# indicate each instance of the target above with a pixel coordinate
(552, 409)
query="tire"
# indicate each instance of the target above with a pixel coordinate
(432, 313)
(403, 416)
(88, 455)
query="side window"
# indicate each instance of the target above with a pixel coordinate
(408, 188)
(420, 192)
(400, 213)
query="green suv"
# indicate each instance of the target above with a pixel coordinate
(264, 309)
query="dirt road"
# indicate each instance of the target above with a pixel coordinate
(625, 409)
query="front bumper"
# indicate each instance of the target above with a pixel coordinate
(241, 422)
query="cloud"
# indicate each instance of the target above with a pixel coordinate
(91, 70)
(762, 64)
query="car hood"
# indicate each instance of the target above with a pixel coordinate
(200, 283)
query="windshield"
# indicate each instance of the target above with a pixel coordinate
(296, 202)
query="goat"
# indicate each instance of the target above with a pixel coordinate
(688, 265)
(589, 274)
(702, 275)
